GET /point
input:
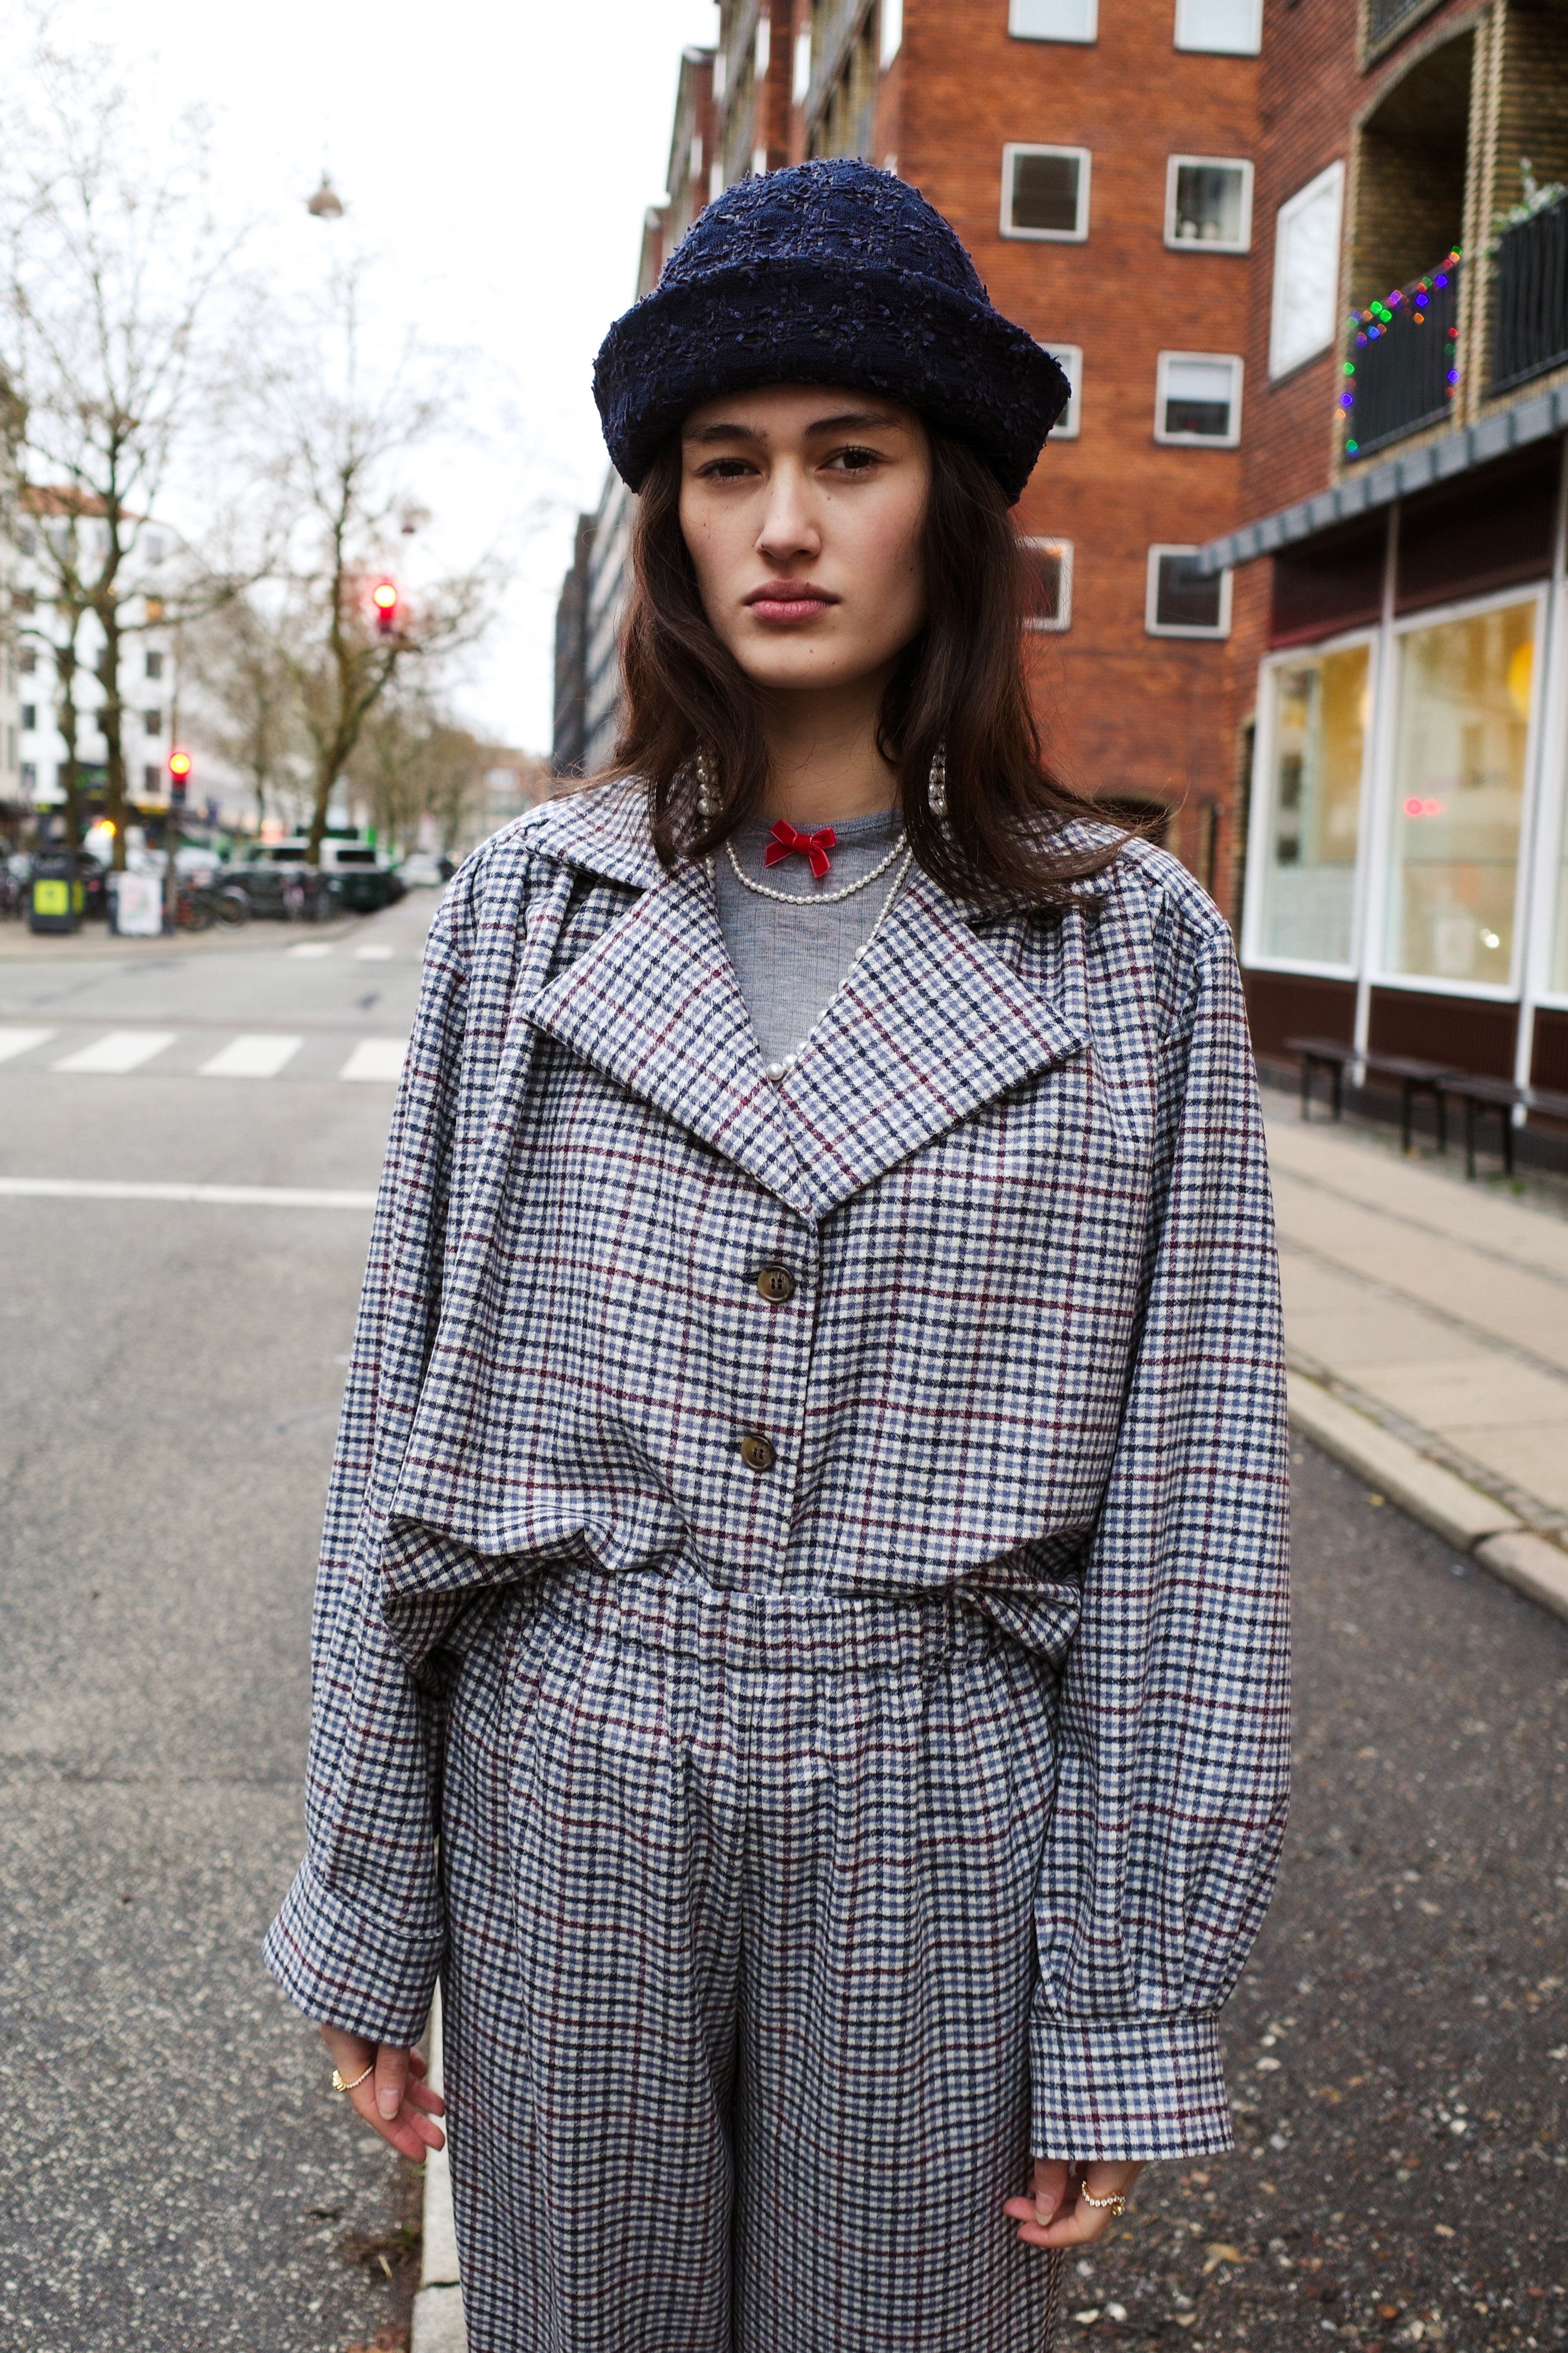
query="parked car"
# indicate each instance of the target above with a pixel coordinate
(277, 879)
(422, 872)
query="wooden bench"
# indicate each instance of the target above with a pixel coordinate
(1412, 1077)
(1481, 1097)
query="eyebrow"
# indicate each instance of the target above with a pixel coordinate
(850, 420)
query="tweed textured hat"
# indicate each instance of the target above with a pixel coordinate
(827, 273)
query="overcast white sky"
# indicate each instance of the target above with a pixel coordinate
(498, 161)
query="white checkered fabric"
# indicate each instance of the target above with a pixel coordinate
(1033, 1357)
(740, 1962)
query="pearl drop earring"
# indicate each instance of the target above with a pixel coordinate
(936, 786)
(704, 792)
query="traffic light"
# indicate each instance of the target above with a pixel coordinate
(384, 597)
(179, 774)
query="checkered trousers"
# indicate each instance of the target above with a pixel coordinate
(740, 1953)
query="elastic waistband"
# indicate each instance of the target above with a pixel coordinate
(808, 1634)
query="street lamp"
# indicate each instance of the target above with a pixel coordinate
(326, 204)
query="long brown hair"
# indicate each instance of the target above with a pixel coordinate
(960, 686)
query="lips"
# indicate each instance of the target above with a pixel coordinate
(789, 601)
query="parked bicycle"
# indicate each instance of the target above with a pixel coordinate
(199, 905)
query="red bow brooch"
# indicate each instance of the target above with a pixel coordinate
(815, 846)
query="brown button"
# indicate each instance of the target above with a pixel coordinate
(776, 1284)
(757, 1452)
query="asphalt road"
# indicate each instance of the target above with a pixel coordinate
(180, 2176)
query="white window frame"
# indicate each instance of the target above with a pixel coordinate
(1494, 992)
(1078, 235)
(1182, 38)
(800, 71)
(1068, 357)
(1332, 177)
(1062, 549)
(1260, 812)
(890, 32)
(1242, 163)
(1231, 360)
(762, 51)
(1018, 33)
(1155, 629)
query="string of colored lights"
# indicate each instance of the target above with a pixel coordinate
(1409, 303)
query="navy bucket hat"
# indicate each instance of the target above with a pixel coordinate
(827, 273)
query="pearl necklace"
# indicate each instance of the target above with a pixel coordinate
(822, 898)
(777, 1071)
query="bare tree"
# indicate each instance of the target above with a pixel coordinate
(412, 764)
(114, 269)
(344, 434)
(242, 675)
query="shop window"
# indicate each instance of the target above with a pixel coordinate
(1182, 601)
(1224, 27)
(1053, 20)
(1209, 203)
(1050, 571)
(1044, 192)
(1462, 729)
(1068, 357)
(1198, 398)
(1318, 720)
(1305, 273)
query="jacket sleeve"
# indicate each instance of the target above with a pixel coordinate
(1174, 1704)
(359, 1939)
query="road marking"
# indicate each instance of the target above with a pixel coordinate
(241, 1197)
(21, 1041)
(376, 1058)
(373, 955)
(117, 1051)
(256, 1056)
(310, 948)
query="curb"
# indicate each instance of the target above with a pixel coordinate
(1463, 1515)
(439, 2325)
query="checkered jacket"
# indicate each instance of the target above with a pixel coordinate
(1033, 1352)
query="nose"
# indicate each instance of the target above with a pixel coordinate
(789, 532)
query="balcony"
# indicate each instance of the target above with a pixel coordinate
(1403, 370)
(1530, 298)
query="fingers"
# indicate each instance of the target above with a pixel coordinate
(390, 2093)
(391, 2080)
(1058, 2213)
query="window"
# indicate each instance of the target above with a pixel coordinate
(29, 717)
(29, 662)
(696, 162)
(154, 667)
(1068, 357)
(1044, 192)
(1208, 202)
(720, 74)
(1053, 20)
(1225, 27)
(1198, 398)
(892, 30)
(800, 83)
(1461, 739)
(715, 181)
(1050, 568)
(1306, 271)
(151, 778)
(764, 47)
(152, 722)
(759, 163)
(29, 776)
(1317, 720)
(1182, 601)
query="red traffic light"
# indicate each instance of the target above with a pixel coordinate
(180, 765)
(384, 597)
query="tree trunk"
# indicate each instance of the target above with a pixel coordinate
(111, 719)
(66, 714)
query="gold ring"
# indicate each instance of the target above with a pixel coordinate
(339, 2084)
(1116, 2203)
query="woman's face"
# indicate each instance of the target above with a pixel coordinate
(802, 507)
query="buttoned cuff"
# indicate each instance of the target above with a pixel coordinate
(349, 1969)
(1126, 2089)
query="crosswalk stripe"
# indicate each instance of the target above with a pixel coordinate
(310, 948)
(21, 1041)
(242, 1197)
(376, 1058)
(117, 1051)
(373, 955)
(256, 1056)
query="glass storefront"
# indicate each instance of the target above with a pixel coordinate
(1461, 736)
(1319, 738)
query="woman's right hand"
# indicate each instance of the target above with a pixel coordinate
(394, 2096)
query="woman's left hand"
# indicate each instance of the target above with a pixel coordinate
(1057, 2215)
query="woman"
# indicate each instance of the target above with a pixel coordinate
(808, 1523)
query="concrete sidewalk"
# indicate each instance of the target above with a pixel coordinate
(1427, 1325)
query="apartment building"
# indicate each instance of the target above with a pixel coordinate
(1399, 605)
(1097, 159)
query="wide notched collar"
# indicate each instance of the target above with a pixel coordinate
(931, 1022)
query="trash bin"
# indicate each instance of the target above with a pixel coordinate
(56, 895)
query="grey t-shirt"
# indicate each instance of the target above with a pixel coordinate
(791, 961)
